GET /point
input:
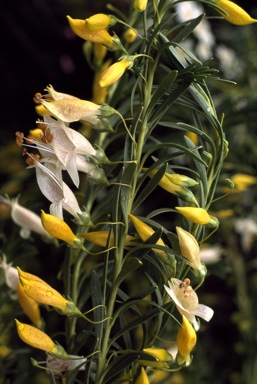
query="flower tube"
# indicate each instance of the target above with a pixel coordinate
(186, 340)
(199, 216)
(234, 14)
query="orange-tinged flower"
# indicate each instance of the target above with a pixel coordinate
(115, 71)
(80, 28)
(186, 340)
(140, 5)
(234, 14)
(57, 228)
(100, 21)
(38, 290)
(40, 340)
(29, 306)
(199, 216)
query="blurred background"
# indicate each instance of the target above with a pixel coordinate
(38, 48)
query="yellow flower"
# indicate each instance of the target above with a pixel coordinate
(186, 340)
(100, 21)
(162, 356)
(100, 52)
(38, 339)
(198, 216)
(57, 228)
(243, 181)
(101, 237)
(144, 232)
(175, 184)
(234, 14)
(142, 378)
(140, 5)
(190, 250)
(38, 290)
(100, 93)
(41, 110)
(115, 71)
(130, 35)
(103, 37)
(29, 306)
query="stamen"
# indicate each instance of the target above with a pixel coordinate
(37, 98)
(19, 138)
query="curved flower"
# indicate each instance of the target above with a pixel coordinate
(186, 301)
(80, 28)
(115, 71)
(38, 339)
(234, 14)
(190, 250)
(38, 290)
(199, 216)
(25, 218)
(186, 340)
(60, 230)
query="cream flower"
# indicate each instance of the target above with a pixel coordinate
(186, 301)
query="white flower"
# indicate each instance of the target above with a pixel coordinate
(25, 218)
(11, 276)
(186, 301)
(211, 254)
(63, 365)
(247, 228)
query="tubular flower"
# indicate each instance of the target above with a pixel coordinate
(25, 218)
(186, 340)
(190, 250)
(199, 216)
(140, 5)
(243, 181)
(57, 228)
(38, 290)
(162, 356)
(38, 339)
(144, 232)
(186, 301)
(29, 306)
(80, 28)
(100, 21)
(101, 238)
(58, 95)
(115, 71)
(175, 187)
(142, 378)
(234, 14)
(100, 93)
(100, 52)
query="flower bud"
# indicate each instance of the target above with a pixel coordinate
(100, 21)
(186, 340)
(233, 13)
(142, 378)
(115, 71)
(38, 339)
(242, 181)
(102, 37)
(100, 52)
(130, 35)
(38, 290)
(199, 216)
(101, 237)
(162, 356)
(57, 228)
(140, 5)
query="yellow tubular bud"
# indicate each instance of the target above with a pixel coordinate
(43, 293)
(29, 306)
(100, 93)
(189, 247)
(162, 356)
(198, 216)
(100, 52)
(242, 181)
(130, 35)
(100, 21)
(186, 340)
(181, 180)
(234, 14)
(38, 339)
(115, 71)
(102, 37)
(144, 232)
(101, 237)
(140, 5)
(142, 378)
(57, 228)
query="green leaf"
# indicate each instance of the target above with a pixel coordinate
(97, 300)
(119, 364)
(128, 267)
